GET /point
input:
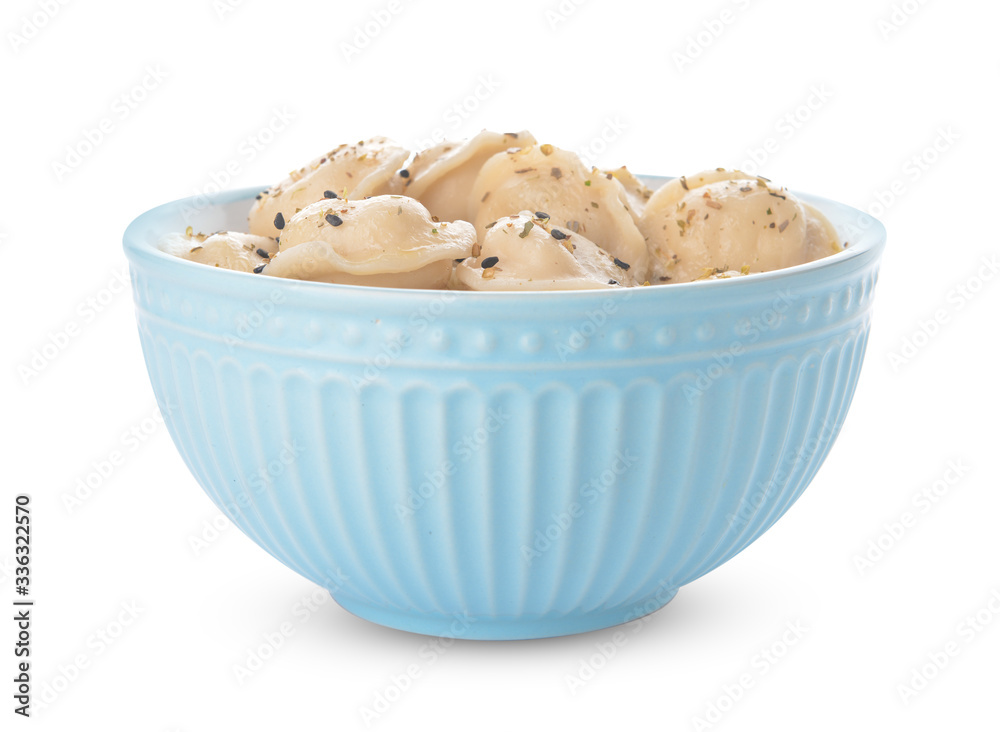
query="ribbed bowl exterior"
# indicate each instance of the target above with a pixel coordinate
(500, 465)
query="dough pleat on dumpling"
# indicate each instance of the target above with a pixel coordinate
(384, 241)
(636, 192)
(355, 171)
(525, 252)
(442, 176)
(546, 179)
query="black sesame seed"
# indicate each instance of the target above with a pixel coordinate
(329, 194)
(259, 196)
(620, 263)
(557, 234)
(490, 262)
(459, 261)
(612, 282)
(333, 220)
(279, 221)
(541, 215)
(263, 253)
(259, 269)
(404, 173)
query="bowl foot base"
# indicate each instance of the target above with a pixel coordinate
(471, 627)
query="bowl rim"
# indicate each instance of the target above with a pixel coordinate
(138, 246)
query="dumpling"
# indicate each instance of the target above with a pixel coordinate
(442, 176)
(526, 252)
(227, 249)
(355, 171)
(636, 192)
(723, 220)
(382, 241)
(556, 182)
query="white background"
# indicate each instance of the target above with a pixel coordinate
(607, 79)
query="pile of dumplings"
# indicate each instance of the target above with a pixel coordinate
(503, 212)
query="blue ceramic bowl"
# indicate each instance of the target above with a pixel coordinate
(500, 465)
